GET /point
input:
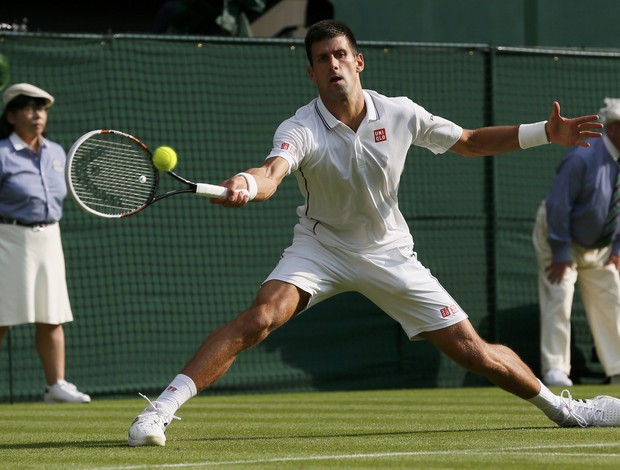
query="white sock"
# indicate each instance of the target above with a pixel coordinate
(547, 401)
(181, 389)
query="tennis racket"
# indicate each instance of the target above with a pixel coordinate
(110, 174)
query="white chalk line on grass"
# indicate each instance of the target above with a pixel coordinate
(522, 451)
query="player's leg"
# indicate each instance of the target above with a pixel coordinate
(498, 363)
(276, 303)
(307, 273)
(503, 367)
(425, 310)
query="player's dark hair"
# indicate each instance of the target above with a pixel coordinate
(327, 29)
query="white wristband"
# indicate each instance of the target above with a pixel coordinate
(532, 135)
(251, 182)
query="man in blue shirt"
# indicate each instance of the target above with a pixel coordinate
(576, 238)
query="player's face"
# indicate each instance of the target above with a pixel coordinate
(335, 68)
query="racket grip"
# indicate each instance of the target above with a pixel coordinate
(211, 190)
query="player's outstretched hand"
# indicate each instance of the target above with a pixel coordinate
(571, 131)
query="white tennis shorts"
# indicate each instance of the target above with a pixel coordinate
(393, 280)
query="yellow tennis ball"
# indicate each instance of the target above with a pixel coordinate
(164, 158)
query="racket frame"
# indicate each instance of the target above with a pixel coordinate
(200, 189)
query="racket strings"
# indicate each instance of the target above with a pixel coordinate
(113, 175)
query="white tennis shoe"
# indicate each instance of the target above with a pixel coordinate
(149, 427)
(601, 411)
(64, 392)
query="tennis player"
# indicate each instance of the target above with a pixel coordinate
(347, 149)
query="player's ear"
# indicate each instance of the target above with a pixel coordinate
(359, 63)
(310, 71)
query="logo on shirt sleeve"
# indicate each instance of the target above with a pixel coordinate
(290, 148)
(380, 135)
(449, 311)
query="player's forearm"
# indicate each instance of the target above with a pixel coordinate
(268, 177)
(262, 183)
(266, 185)
(487, 141)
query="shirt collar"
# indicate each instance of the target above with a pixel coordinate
(330, 121)
(19, 144)
(611, 148)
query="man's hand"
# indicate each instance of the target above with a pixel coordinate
(556, 271)
(615, 260)
(571, 131)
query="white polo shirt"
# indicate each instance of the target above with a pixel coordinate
(350, 179)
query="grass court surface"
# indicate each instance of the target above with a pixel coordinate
(469, 428)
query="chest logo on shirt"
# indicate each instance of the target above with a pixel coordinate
(380, 135)
(58, 166)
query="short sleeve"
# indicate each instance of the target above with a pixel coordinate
(433, 132)
(290, 142)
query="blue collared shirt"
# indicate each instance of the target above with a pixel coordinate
(580, 195)
(32, 186)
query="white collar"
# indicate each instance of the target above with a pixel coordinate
(19, 144)
(331, 122)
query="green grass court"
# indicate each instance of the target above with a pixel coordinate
(468, 428)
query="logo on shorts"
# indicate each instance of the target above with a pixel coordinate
(447, 311)
(380, 135)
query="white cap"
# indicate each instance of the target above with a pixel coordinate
(25, 89)
(611, 111)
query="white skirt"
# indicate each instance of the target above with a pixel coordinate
(33, 288)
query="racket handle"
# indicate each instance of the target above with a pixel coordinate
(211, 190)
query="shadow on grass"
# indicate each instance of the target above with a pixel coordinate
(371, 434)
(63, 444)
(123, 443)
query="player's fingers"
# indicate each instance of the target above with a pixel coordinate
(234, 198)
(590, 121)
(219, 200)
(589, 134)
(237, 198)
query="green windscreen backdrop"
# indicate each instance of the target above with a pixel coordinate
(146, 290)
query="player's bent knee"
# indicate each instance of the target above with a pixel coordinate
(257, 322)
